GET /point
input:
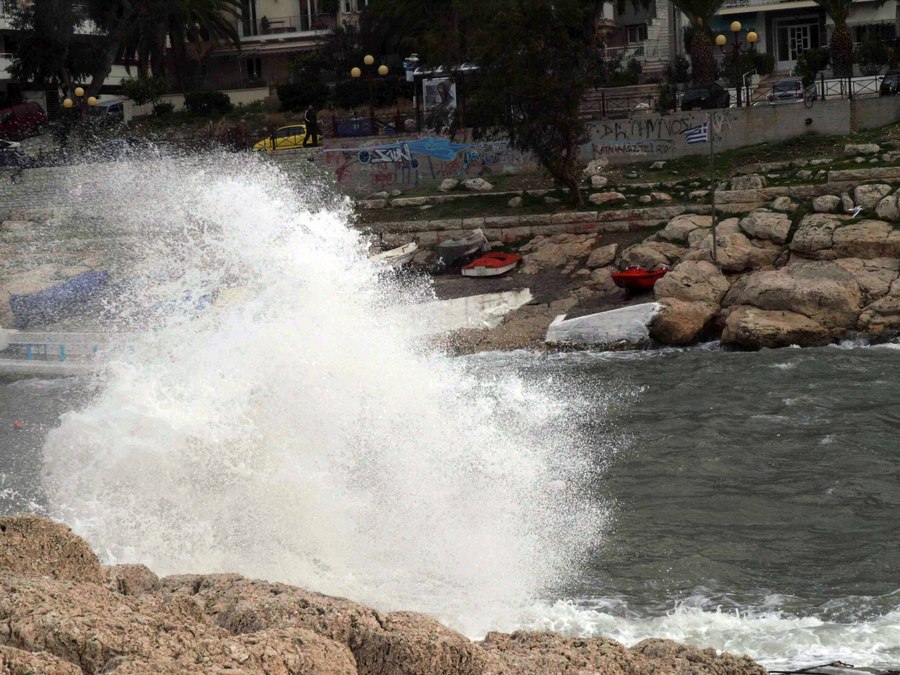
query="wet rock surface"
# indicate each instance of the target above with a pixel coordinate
(76, 617)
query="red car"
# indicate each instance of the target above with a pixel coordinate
(19, 121)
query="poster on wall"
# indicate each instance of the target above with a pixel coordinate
(439, 94)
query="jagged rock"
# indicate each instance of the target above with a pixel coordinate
(868, 196)
(754, 328)
(699, 195)
(784, 204)
(448, 184)
(679, 322)
(882, 317)
(874, 276)
(687, 658)
(550, 255)
(598, 181)
(861, 149)
(36, 547)
(826, 204)
(645, 199)
(660, 197)
(602, 256)
(693, 281)
(680, 227)
(595, 167)
(515, 202)
(887, 208)
(763, 224)
(372, 204)
(765, 253)
(658, 165)
(822, 291)
(606, 198)
(751, 181)
(129, 579)
(20, 662)
(477, 185)
(804, 174)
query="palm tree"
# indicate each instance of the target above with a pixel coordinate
(184, 24)
(841, 42)
(700, 14)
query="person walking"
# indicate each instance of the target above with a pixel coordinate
(312, 127)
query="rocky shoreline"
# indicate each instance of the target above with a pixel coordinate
(63, 613)
(781, 276)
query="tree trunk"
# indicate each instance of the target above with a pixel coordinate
(842, 50)
(703, 64)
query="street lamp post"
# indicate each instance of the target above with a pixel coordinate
(736, 49)
(356, 72)
(79, 102)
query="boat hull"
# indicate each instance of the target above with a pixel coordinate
(637, 279)
(491, 265)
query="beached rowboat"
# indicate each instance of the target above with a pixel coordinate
(397, 257)
(491, 265)
(637, 278)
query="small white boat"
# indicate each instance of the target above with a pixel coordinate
(397, 257)
(491, 265)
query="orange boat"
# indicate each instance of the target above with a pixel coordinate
(636, 278)
(491, 265)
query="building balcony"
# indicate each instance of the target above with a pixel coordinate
(285, 27)
(736, 6)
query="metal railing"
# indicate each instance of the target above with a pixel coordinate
(613, 106)
(648, 50)
(279, 25)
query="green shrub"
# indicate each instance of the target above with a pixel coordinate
(811, 62)
(298, 95)
(764, 63)
(144, 90)
(163, 109)
(872, 55)
(207, 103)
(679, 70)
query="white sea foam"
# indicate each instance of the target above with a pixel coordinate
(300, 432)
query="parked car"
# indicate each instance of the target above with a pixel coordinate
(107, 112)
(890, 85)
(792, 90)
(22, 120)
(285, 138)
(705, 96)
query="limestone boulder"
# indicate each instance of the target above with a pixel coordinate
(862, 149)
(822, 291)
(547, 256)
(751, 181)
(679, 322)
(826, 204)
(868, 196)
(598, 181)
(863, 239)
(648, 257)
(785, 204)
(734, 253)
(874, 276)
(601, 198)
(888, 209)
(753, 328)
(595, 167)
(602, 256)
(477, 185)
(814, 237)
(515, 202)
(678, 229)
(36, 547)
(601, 280)
(765, 224)
(693, 281)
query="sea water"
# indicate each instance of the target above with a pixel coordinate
(298, 429)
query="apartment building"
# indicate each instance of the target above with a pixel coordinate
(788, 28)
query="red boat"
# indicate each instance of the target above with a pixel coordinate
(637, 278)
(491, 265)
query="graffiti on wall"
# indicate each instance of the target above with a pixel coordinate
(652, 134)
(409, 162)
